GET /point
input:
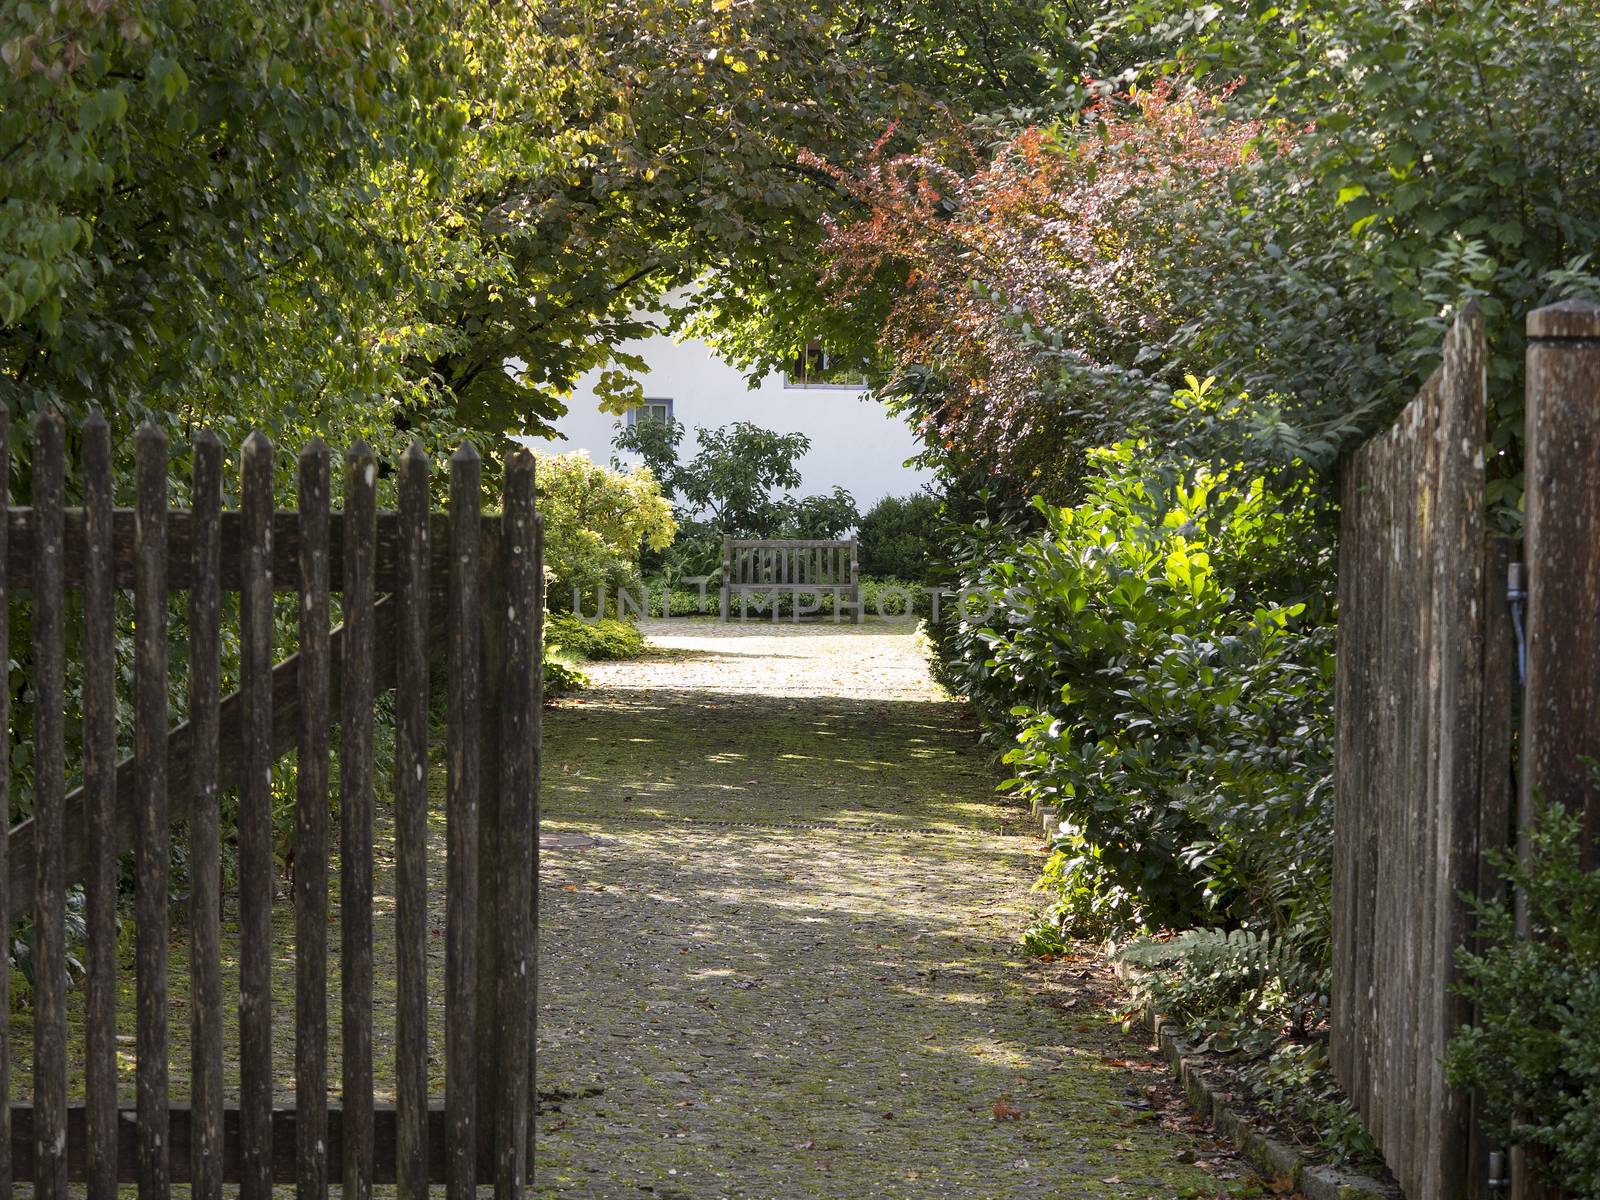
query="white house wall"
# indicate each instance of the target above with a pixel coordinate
(855, 443)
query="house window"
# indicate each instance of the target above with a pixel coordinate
(814, 366)
(650, 410)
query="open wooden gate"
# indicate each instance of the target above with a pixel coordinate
(412, 586)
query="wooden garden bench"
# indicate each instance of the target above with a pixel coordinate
(798, 567)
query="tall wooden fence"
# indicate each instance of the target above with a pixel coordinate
(412, 585)
(1426, 688)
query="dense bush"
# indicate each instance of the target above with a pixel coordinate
(736, 484)
(898, 537)
(1157, 661)
(1531, 1047)
(1164, 693)
(1261, 1001)
(1295, 199)
(562, 674)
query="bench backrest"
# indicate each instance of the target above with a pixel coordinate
(789, 562)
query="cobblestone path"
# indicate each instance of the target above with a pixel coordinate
(779, 912)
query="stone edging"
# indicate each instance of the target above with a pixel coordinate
(1270, 1156)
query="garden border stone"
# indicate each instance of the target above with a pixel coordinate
(1272, 1157)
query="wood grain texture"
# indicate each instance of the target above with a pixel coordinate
(1561, 727)
(203, 791)
(99, 785)
(411, 829)
(1561, 707)
(285, 551)
(355, 807)
(152, 845)
(255, 823)
(515, 831)
(284, 1140)
(462, 791)
(311, 833)
(470, 588)
(6, 909)
(49, 775)
(1415, 660)
(183, 749)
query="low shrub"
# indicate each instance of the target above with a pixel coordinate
(597, 519)
(1157, 670)
(1260, 1001)
(562, 674)
(601, 639)
(1531, 1047)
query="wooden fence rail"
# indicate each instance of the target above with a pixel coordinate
(412, 585)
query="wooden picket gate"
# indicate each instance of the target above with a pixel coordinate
(412, 585)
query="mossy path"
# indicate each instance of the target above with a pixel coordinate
(779, 911)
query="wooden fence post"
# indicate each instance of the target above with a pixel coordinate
(1561, 725)
(855, 581)
(1415, 691)
(1561, 707)
(462, 819)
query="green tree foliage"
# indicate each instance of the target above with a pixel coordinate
(737, 484)
(200, 200)
(347, 220)
(665, 154)
(1166, 692)
(1440, 153)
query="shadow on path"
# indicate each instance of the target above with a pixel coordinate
(779, 910)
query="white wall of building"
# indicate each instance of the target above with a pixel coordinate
(855, 443)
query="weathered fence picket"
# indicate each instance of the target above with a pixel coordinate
(311, 834)
(49, 900)
(1561, 704)
(99, 781)
(205, 832)
(412, 586)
